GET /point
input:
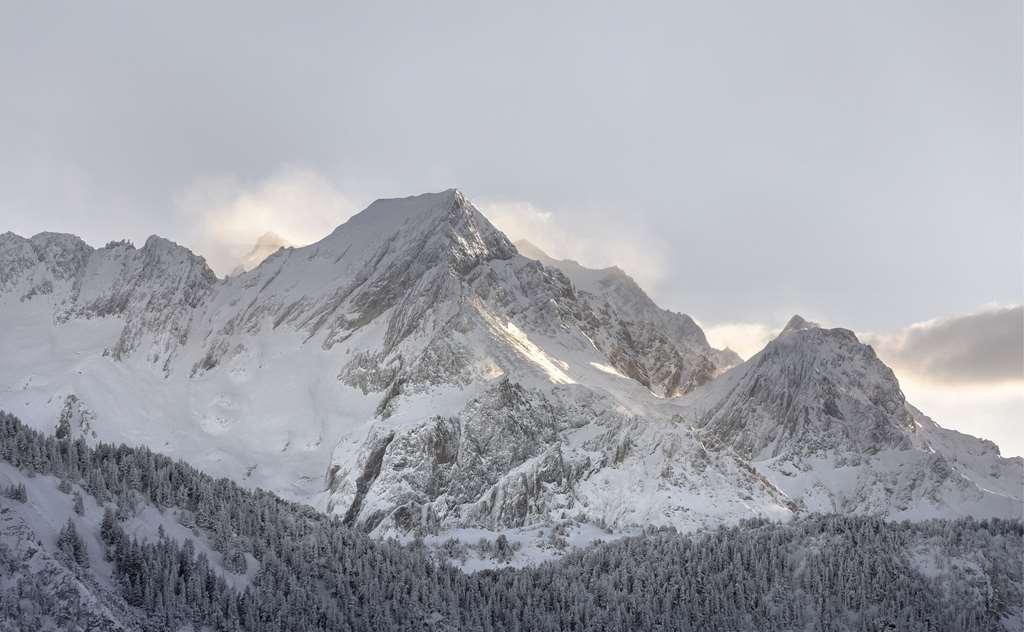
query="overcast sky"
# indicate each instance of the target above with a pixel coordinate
(859, 163)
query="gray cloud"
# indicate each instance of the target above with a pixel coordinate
(987, 346)
(858, 160)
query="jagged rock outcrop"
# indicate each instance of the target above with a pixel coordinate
(515, 456)
(811, 391)
(154, 291)
(663, 350)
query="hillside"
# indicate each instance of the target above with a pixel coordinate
(157, 545)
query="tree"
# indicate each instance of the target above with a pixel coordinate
(70, 543)
(16, 491)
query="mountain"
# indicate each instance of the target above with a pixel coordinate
(267, 244)
(821, 417)
(151, 293)
(414, 371)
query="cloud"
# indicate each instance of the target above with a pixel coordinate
(990, 410)
(984, 347)
(746, 339)
(966, 371)
(226, 218)
(601, 242)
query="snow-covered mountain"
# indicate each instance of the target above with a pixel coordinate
(820, 416)
(416, 370)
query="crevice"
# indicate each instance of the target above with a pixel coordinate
(370, 473)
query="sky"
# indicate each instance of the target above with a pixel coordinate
(857, 163)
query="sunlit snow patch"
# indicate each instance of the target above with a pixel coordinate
(535, 354)
(608, 369)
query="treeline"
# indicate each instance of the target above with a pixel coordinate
(820, 573)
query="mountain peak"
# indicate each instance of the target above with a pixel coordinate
(267, 244)
(397, 210)
(270, 238)
(442, 218)
(797, 323)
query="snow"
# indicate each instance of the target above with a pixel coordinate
(610, 370)
(531, 352)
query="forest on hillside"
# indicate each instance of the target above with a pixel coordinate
(307, 571)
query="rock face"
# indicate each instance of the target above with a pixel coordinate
(665, 351)
(811, 391)
(514, 456)
(415, 370)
